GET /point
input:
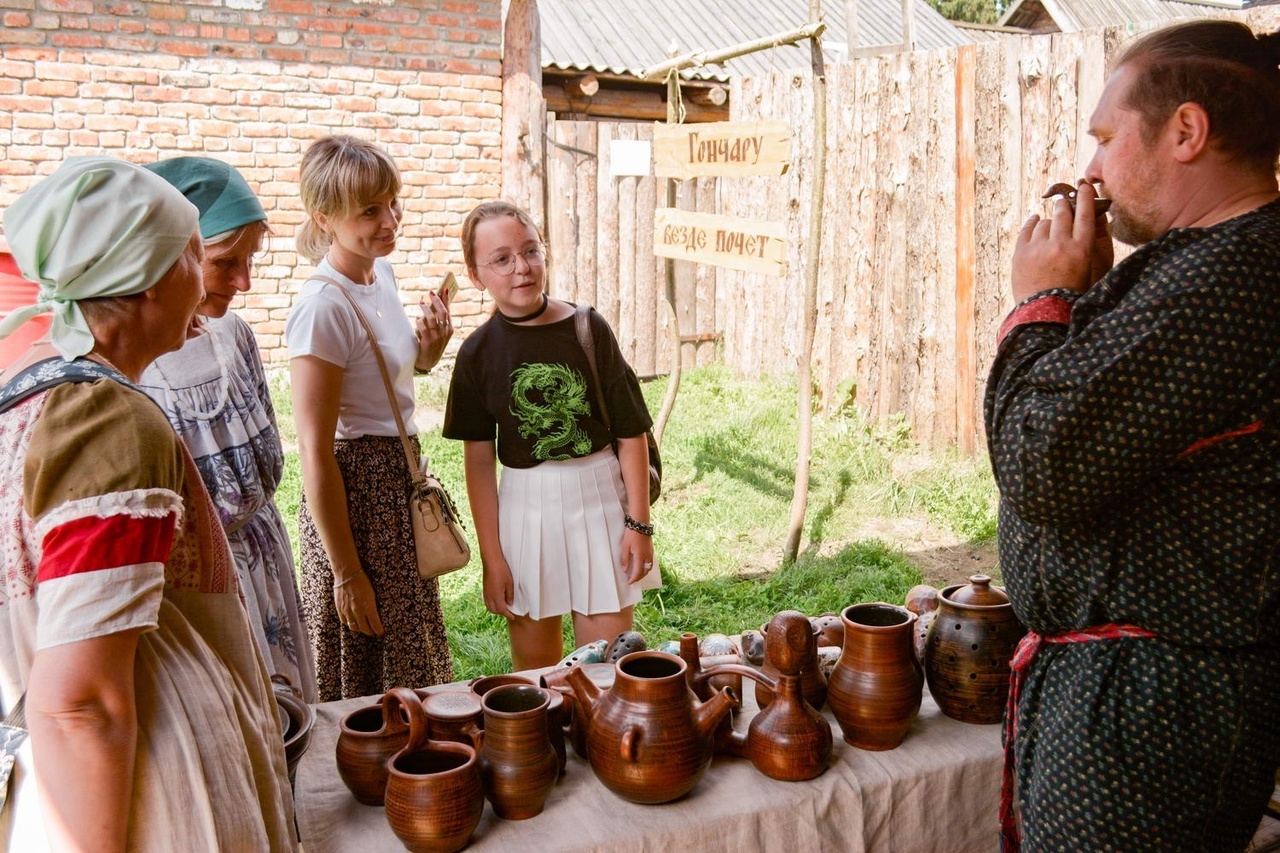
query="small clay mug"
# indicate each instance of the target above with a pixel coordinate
(371, 735)
(434, 796)
(484, 683)
(455, 715)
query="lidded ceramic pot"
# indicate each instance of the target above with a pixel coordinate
(968, 650)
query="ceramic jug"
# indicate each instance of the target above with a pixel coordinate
(518, 765)
(369, 736)
(649, 739)
(876, 687)
(434, 797)
(789, 740)
(968, 649)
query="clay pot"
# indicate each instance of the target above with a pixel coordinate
(434, 797)
(813, 684)
(968, 649)
(829, 629)
(575, 731)
(695, 661)
(298, 717)
(789, 740)
(876, 687)
(518, 765)
(922, 599)
(371, 735)
(455, 716)
(649, 738)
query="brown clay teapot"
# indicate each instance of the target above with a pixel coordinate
(649, 739)
(968, 649)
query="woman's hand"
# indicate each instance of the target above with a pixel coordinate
(434, 328)
(357, 604)
(498, 587)
(637, 555)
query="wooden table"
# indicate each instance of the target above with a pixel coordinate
(938, 791)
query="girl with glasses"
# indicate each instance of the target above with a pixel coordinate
(567, 530)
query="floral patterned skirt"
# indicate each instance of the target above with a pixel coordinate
(414, 651)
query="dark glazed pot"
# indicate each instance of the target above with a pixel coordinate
(518, 765)
(876, 687)
(968, 649)
(434, 798)
(649, 738)
(371, 735)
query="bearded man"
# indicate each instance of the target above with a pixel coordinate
(1133, 421)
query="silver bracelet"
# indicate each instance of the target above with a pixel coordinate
(341, 584)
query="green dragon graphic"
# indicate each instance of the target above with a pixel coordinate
(554, 421)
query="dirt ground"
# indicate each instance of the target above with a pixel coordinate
(941, 557)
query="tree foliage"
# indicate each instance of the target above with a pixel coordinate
(973, 11)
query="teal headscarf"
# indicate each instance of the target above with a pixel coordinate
(217, 190)
(97, 226)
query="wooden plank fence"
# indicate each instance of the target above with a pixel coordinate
(935, 159)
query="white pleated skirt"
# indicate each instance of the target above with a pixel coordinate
(561, 526)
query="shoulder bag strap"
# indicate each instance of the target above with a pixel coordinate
(582, 325)
(410, 457)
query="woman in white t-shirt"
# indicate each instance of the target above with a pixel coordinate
(375, 624)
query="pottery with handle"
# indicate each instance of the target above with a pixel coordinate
(434, 797)
(369, 736)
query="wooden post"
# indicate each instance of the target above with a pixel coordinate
(804, 359)
(908, 25)
(523, 110)
(673, 317)
(966, 379)
(850, 28)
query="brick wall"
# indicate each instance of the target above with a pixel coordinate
(253, 82)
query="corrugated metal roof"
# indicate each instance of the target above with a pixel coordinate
(1072, 16)
(627, 36)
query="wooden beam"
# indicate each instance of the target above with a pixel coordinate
(523, 110)
(715, 96)
(966, 380)
(585, 86)
(699, 58)
(638, 104)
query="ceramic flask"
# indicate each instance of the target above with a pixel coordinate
(518, 765)
(368, 737)
(649, 738)
(876, 687)
(789, 740)
(968, 649)
(434, 797)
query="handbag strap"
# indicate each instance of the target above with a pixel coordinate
(17, 716)
(410, 457)
(582, 325)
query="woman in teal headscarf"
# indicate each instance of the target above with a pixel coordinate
(151, 718)
(214, 391)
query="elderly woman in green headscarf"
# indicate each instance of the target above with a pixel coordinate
(214, 391)
(151, 718)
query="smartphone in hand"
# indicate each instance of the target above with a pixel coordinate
(448, 288)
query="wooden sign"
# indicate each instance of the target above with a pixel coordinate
(721, 148)
(723, 241)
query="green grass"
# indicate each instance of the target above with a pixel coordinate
(729, 467)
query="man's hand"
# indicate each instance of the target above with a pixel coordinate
(1070, 250)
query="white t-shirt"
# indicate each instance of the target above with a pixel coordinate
(322, 323)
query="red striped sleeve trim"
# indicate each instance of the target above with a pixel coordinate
(93, 544)
(1046, 309)
(1214, 439)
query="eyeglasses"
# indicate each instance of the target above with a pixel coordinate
(505, 263)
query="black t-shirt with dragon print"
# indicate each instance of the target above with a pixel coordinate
(530, 388)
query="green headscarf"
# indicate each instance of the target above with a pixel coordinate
(97, 226)
(217, 190)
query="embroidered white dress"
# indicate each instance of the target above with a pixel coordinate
(214, 391)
